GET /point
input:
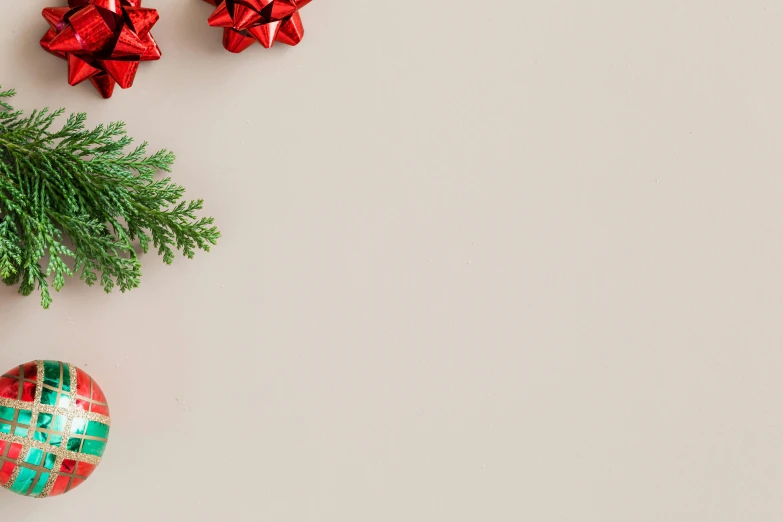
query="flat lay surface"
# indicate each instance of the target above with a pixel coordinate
(510, 262)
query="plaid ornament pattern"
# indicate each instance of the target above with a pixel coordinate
(54, 426)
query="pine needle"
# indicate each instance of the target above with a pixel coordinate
(89, 187)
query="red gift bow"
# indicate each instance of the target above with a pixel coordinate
(102, 40)
(267, 21)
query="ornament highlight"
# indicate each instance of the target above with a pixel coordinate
(54, 425)
(245, 22)
(102, 40)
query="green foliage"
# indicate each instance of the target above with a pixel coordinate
(74, 201)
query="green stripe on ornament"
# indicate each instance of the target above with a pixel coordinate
(94, 447)
(50, 460)
(78, 426)
(58, 376)
(7, 413)
(54, 423)
(24, 481)
(40, 485)
(54, 371)
(97, 429)
(34, 457)
(24, 417)
(22, 421)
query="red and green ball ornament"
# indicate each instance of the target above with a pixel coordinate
(54, 425)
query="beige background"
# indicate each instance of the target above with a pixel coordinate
(480, 261)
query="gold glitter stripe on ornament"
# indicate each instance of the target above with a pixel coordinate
(56, 410)
(54, 450)
(66, 431)
(34, 408)
(58, 463)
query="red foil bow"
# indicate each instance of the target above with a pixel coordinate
(267, 21)
(102, 40)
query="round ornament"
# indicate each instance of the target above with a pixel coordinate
(54, 425)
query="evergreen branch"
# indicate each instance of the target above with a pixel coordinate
(83, 186)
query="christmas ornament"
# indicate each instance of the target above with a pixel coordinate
(267, 21)
(54, 425)
(75, 201)
(102, 40)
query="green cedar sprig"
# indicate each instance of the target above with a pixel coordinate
(73, 201)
